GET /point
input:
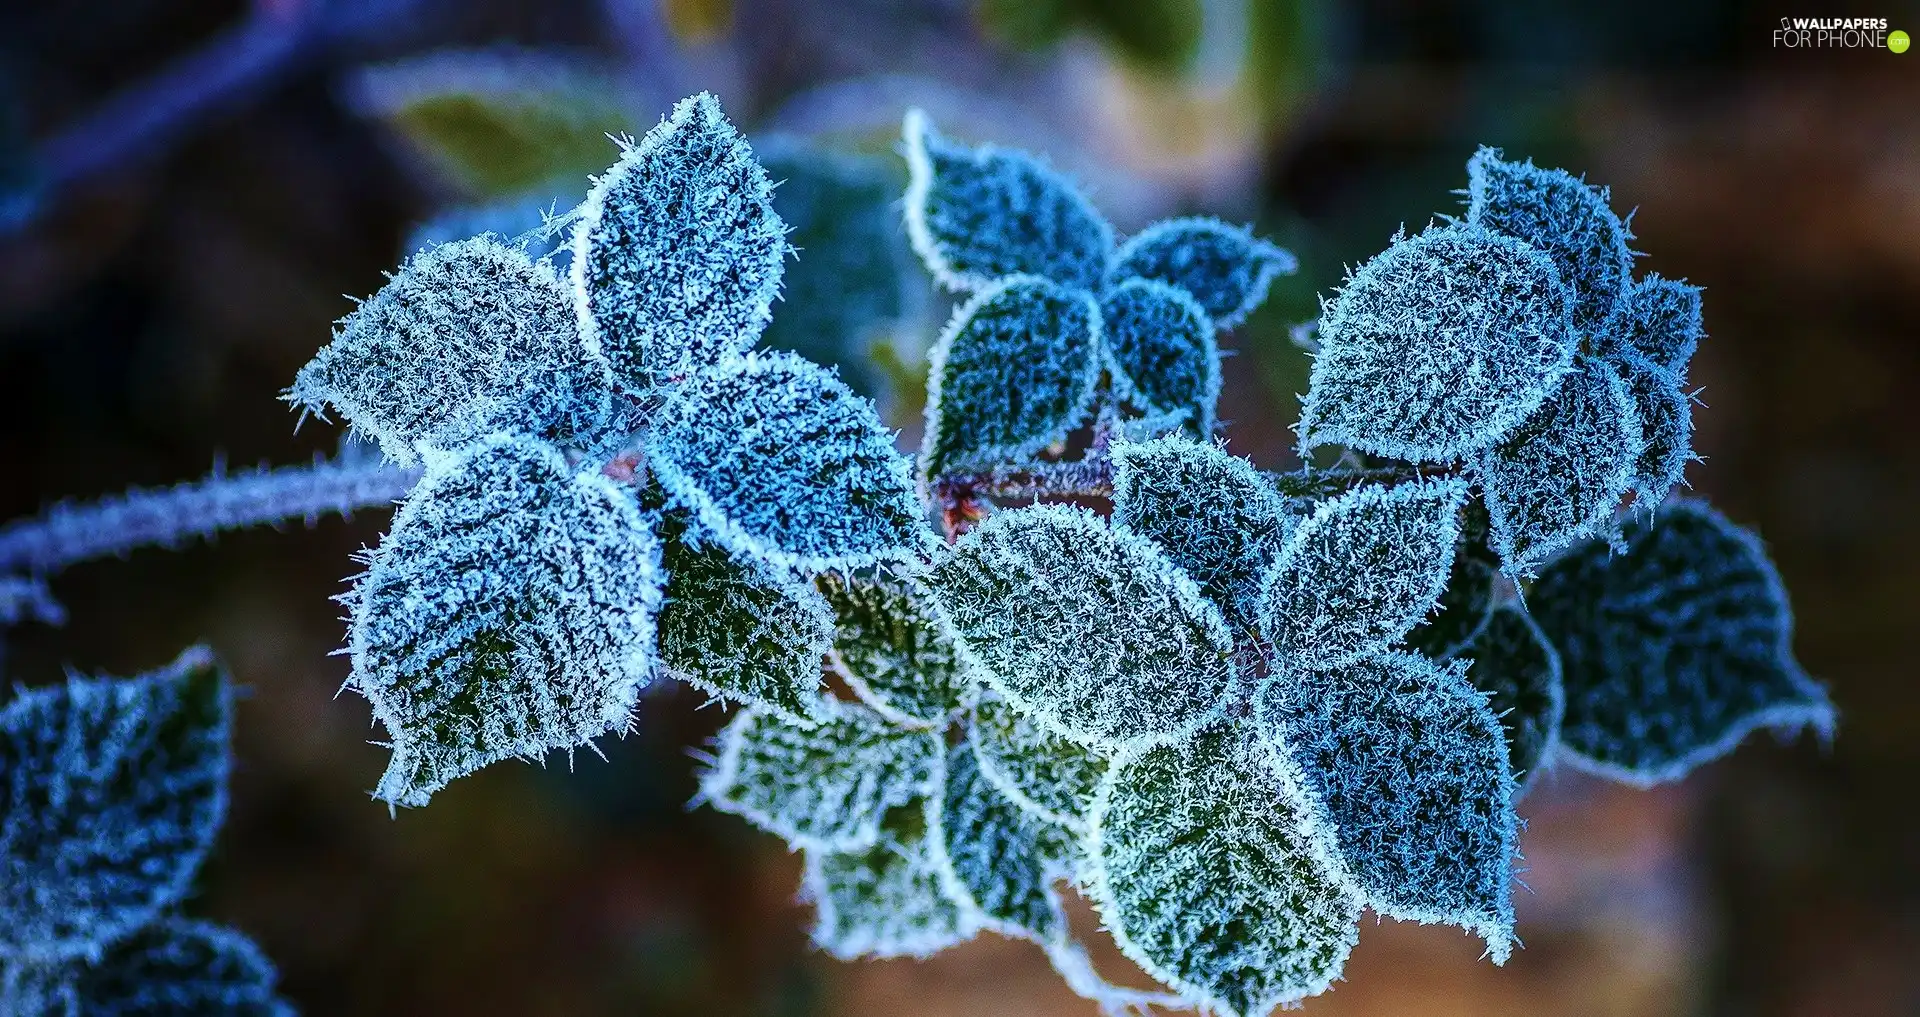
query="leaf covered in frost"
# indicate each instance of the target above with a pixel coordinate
(178, 967)
(1211, 513)
(1012, 373)
(678, 252)
(827, 786)
(889, 899)
(893, 648)
(1226, 268)
(466, 339)
(1362, 571)
(1468, 599)
(741, 629)
(1213, 873)
(1666, 419)
(1659, 319)
(1090, 630)
(1563, 215)
(1438, 346)
(111, 792)
(977, 215)
(780, 460)
(998, 858)
(1163, 350)
(1560, 476)
(1674, 650)
(1039, 771)
(508, 612)
(1519, 671)
(1411, 768)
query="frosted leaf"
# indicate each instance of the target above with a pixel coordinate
(1211, 512)
(780, 460)
(1163, 351)
(889, 899)
(1013, 372)
(1362, 571)
(1226, 268)
(1560, 476)
(1658, 319)
(826, 786)
(534, 223)
(1558, 213)
(1411, 768)
(466, 339)
(1666, 418)
(1674, 650)
(1438, 346)
(510, 611)
(1213, 873)
(977, 215)
(178, 967)
(1092, 631)
(1035, 769)
(1468, 599)
(998, 859)
(894, 650)
(1520, 673)
(678, 252)
(111, 792)
(740, 629)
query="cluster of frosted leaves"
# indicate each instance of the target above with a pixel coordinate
(1089, 629)
(1560, 475)
(1650, 340)
(1467, 602)
(678, 252)
(1212, 513)
(1164, 356)
(1411, 767)
(739, 628)
(1211, 867)
(830, 785)
(1673, 649)
(1562, 215)
(175, 967)
(893, 649)
(998, 859)
(1226, 268)
(1356, 576)
(1050, 777)
(1519, 671)
(466, 339)
(888, 899)
(779, 459)
(511, 610)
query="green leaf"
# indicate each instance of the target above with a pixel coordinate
(1519, 671)
(1162, 350)
(1674, 649)
(999, 859)
(893, 649)
(828, 786)
(1215, 877)
(890, 899)
(1035, 769)
(1013, 372)
(1090, 630)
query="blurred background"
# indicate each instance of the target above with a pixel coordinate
(189, 189)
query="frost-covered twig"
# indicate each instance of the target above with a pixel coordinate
(66, 534)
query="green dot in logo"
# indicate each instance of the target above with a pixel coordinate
(1898, 41)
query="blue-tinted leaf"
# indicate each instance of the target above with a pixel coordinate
(113, 793)
(536, 223)
(997, 858)
(890, 899)
(1666, 419)
(1520, 673)
(1210, 512)
(1090, 630)
(1659, 319)
(894, 650)
(1215, 876)
(1438, 346)
(1468, 599)
(468, 338)
(1362, 571)
(1558, 213)
(1674, 650)
(1411, 768)
(1039, 771)
(1226, 268)
(1560, 476)
(678, 253)
(1162, 349)
(828, 786)
(178, 967)
(977, 215)
(510, 611)
(780, 460)
(1013, 372)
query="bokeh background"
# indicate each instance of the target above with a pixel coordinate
(190, 187)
